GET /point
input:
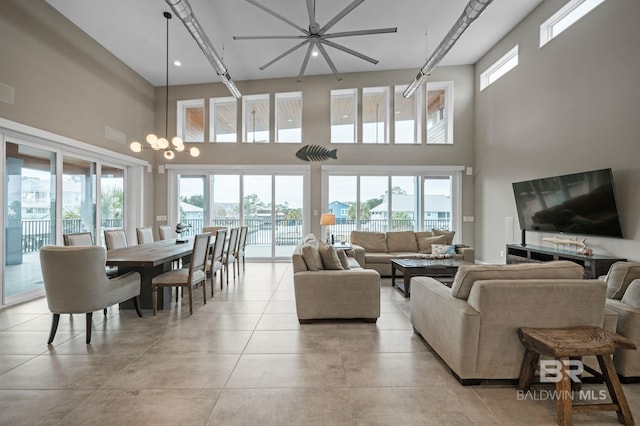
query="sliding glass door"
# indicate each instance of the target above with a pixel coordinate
(30, 217)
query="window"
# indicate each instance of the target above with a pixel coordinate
(191, 120)
(572, 12)
(223, 116)
(374, 114)
(343, 115)
(440, 113)
(255, 113)
(289, 117)
(404, 117)
(500, 68)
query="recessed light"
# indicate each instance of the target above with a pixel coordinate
(177, 63)
(314, 53)
(290, 120)
(345, 116)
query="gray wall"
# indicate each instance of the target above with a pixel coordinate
(316, 130)
(568, 107)
(66, 83)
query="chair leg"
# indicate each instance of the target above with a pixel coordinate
(204, 291)
(190, 300)
(136, 304)
(54, 327)
(104, 311)
(213, 281)
(154, 299)
(221, 278)
(89, 316)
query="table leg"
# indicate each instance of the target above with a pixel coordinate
(407, 283)
(146, 300)
(393, 275)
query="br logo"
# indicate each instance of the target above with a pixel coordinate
(551, 370)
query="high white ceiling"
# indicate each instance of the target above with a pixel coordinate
(135, 32)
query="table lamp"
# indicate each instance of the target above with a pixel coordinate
(328, 219)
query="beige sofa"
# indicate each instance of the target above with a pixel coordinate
(374, 250)
(473, 326)
(336, 293)
(623, 297)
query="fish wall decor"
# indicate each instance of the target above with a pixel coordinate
(316, 153)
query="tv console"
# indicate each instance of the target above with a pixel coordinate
(594, 266)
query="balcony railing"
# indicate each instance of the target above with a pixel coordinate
(37, 233)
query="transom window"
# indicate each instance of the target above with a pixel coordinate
(289, 117)
(191, 120)
(223, 119)
(499, 68)
(568, 15)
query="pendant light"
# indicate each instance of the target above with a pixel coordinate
(177, 145)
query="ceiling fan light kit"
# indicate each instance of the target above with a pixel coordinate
(316, 37)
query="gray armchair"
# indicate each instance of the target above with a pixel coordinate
(75, 282)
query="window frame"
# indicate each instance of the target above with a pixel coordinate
(447, 86)
(572, 11)
(374, 90)
(354, 123)
(213, 134)
(416, 99)
(501, 67)
(181, 116)
(247, 98)
(284, 95)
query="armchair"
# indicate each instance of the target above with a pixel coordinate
(75, 282)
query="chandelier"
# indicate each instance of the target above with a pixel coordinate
(162, 143)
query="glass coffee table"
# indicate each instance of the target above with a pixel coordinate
(436, 268)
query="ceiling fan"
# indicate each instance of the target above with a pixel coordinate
(316, 36)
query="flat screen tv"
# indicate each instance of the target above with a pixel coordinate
(579, 203)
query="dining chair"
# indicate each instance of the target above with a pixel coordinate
(145, 235)
(228, 257)
(186, 277)
(165, 232)
(78, 239)
(242, 244)
(75, 283)
(115, 239)
(212, 229)
(214, 264)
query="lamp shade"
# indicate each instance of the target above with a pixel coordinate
(327, 219)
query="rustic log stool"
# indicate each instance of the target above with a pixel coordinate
(564, 344)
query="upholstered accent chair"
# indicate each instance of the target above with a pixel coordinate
(189, 277)
(115, 239)
(214, 264)
(165, 232)
(78, 239)
(75, 283)
(145, 235)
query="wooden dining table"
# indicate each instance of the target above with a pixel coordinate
(150, 260)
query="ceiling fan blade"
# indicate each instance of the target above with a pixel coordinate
(266, 37)
(277, 15)
(297, 46)
(349, 51)
(305, 61)
(339, 16)
(313, 26)
(329, 61)
(361, 32)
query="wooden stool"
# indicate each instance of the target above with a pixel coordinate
(573, 343)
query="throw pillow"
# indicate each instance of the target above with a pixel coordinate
(425, 243)
(401, 241)
(330, 259)
(344, 260)
(619, 277)
(311, 257)
(448, 234)
(443, 249)
(372, 242)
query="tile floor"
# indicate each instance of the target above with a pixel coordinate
(243, 359)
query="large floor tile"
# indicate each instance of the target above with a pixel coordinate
(376, 340)
(237, 307)
(282, 407)
(8, 362)
(10, 319)
(38, 407)
(144, 407)
(160, 371)
(305, 340)
(31, 342)
(198, 341)
(108, 343)
(288, 371)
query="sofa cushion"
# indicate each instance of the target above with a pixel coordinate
(378, 258)
(312, 257)
(467, 275)
(425, 243)
(619, 277)
(372, 242)
(344, 259)
(330, 259)
(401, 241)
(448, 235)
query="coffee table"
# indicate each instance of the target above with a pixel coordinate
(437, 268)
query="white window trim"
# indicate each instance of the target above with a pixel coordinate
(338, 92)
(447, 86)
(284, 95)
(385, 118)
(485, 77)
(212, 113)
(245, 131)
(417, 101)
(181, 106)
(566, 12)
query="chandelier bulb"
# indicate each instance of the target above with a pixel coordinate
(169, 155)
(163, 143)
(136, 146)
(195, 152)
(177, 141)
(152, 139)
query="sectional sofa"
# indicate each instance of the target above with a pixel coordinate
(374, 250)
